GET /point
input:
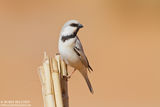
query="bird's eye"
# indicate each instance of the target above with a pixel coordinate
(74, 25)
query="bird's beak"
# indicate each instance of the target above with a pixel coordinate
(80, 26)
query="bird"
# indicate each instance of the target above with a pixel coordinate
(71, 50)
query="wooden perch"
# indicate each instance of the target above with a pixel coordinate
(53, 76)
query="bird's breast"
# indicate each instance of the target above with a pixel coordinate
(70, 57)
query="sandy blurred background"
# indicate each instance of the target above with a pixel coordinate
(121, 39)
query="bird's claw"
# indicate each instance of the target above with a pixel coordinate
(67, 77)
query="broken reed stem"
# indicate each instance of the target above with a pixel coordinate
(47, 84)
(41, 75)
(53, 75)
(64, 84)
(56, 83)
(63, 77)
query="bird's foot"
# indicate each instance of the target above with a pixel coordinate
(67, 77)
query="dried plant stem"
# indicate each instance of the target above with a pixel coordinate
(57, 84)
(64, 84)
(53, 75)
(47, 83)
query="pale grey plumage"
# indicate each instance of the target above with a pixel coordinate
(71, 49)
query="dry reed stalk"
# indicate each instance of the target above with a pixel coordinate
(64, 84)
(47, 83)
(53, 75)
(63, 76)
(57, 84)
(41, 75)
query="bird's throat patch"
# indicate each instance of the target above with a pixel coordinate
(64, 38)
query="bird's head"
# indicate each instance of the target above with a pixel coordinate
(71, 28)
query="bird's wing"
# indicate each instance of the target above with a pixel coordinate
(79, 51)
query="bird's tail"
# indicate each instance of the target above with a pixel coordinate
(85, 75)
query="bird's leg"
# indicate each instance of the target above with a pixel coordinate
(68, 77)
